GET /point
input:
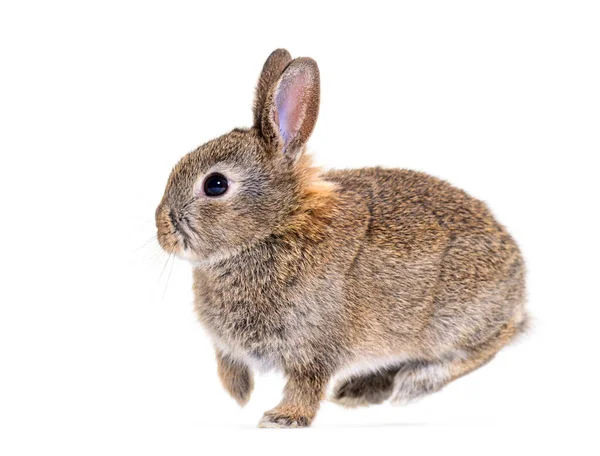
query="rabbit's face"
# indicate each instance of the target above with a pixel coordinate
(223, 196)
(243, 186)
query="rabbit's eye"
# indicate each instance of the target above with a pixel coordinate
(215, 185)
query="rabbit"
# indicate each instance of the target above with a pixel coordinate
(385, 284)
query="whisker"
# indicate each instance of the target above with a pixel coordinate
(169, 277)
(153, 238)
(164, 267)
(156, 257)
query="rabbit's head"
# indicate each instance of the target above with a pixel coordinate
(249, 183)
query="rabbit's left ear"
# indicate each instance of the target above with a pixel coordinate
(292, 106)
(272, 69)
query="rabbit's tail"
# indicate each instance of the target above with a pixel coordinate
(521, 324)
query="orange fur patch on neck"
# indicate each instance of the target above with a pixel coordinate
(317, 198)
(315, 190)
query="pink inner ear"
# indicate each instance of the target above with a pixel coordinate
(290, 104)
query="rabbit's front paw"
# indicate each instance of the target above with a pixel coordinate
(236, 377)
(281, 419)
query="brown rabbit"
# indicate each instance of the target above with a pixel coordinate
(391, 280)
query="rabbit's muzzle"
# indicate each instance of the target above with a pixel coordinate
(170, 232)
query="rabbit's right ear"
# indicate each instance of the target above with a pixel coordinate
(272, 69)
(291, 108)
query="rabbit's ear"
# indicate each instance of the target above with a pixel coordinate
(292, 107)
(272, 69)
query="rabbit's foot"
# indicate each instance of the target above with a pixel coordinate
(277, 418)
(372, 388)
(236, 378)
(419, 378)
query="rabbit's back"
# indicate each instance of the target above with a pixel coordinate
(403, 201)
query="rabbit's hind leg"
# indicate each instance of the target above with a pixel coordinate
(366, 389)
(419, 378)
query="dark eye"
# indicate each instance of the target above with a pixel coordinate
(215, 185)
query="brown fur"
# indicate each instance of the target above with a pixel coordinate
(317, 273)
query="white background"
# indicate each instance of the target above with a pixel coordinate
(101, 354)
